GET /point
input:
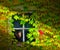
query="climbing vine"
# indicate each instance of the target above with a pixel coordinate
(6, 27)
(42, 34)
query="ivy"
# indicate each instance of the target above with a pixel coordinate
(37, 41)
(29, 35)
(58, 37)
(22, 22)
(6, 27)
(16, 17)
(50, 36)
(31, 21)
(21, 0)
(10, 0)
(31, 39)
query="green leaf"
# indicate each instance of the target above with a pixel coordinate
(27, 42)
(31, 29)
(22, 22)
(12, 25)
(51, 33)
(11, 20)
(34, 33)
(58, 37)
(29, 35)
(26, 20)
(31, 21)
(37, 41)
(47, 43)
(31, 38)
(16, 17)
(34, 24)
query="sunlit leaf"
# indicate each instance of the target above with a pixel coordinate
(31, 38)
(37, 41)
(31, 21)
(29, 35)
(22, 22)
(16, 17)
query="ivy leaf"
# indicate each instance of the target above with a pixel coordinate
(31, 21)
(31, 29)
(58, 37)
(27, 42)
(22, 22)
(37, 41)
(12, 25)
(31, 38)
(16, 17)
(29, 35)
(34, 24)
(26, 20)
(51, 33)
(11, 20)
(47, 43)
(35, 33)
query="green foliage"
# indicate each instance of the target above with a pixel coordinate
(21, 0)
(6, 28)
(58, 37)
(37, 41)
(16, 17)
(49, 34)
(31, 21)
(25, 8)
(44, 22)
(29, 35)
(22, 22)
(10, 0)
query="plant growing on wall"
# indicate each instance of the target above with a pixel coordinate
(42, 34)
(6, 27)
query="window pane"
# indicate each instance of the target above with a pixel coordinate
(17, 24)
(26, 31)
(18, 35)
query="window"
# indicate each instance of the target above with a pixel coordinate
(22, 28)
